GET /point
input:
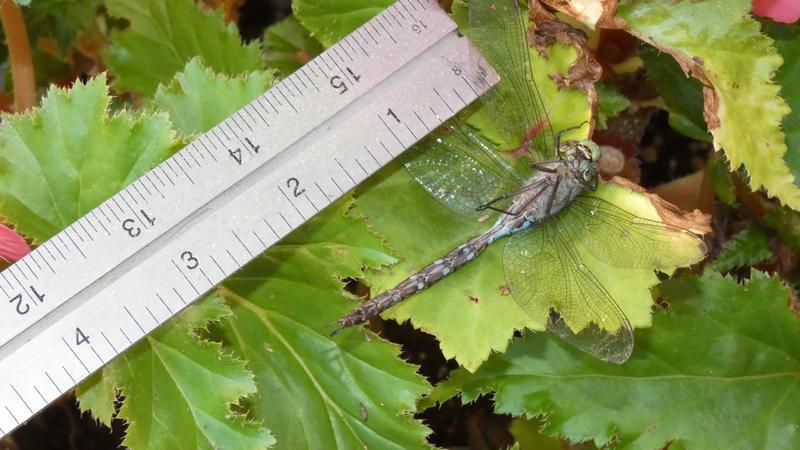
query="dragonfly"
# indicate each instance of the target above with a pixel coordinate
(542, 190)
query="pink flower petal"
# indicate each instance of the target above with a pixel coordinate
(12, 245)
(786, 11)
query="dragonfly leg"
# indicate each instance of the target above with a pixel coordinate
(558, 135)
(541, 167)
(488, 205)
(553, 196)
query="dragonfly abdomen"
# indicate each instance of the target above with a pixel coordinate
(429, 275)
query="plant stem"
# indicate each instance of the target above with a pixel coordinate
(19, 51)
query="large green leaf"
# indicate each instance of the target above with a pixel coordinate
(178, 388)
(66, 157)
(719, 369)
(164, 34)
(192, 99)
(316, 392)
(331, 20)
(719, 40)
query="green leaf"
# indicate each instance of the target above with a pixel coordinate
(317, 392)
(787, 41)
(682, 95)
(748, 247)
(720, 40)
(62, 20)
(287, 45)
(528, 434)
(610, 103)
(178, 388)
(59, 161)
(164, 35)
(192, 99)
(706, 360)
(331, 20)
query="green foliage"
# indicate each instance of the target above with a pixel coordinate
(288, 45)
(683, 95)
(67, 156)
(331, 20)
(610, 103)
(706, 361)
(747, 248)
(787, 41)
(63, 20)
(164, 35)
(317, 392)
(190, 98)
(709, 34)
(178, 388)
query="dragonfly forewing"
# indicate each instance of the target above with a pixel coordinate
(498, 29)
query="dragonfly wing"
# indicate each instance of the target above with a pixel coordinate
(461, 170)
(621, 239)
(550, 282)
(498, 28)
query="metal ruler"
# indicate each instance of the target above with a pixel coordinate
(90, 292)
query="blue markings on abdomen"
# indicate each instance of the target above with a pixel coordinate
(509, 231)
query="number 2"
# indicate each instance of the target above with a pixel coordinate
(294, 184)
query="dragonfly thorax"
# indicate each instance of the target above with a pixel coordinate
(552, 187)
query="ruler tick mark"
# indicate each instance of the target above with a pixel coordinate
(271, 229)
(180, 297)
(75, 354)
(147, 308)
(69, 375)
(44, 400)
(284, 219)
(97, 354)
(214, 260)
(260, 240)
(185, 277)
(126, 336)
(164, 303)
(108, 341)
(391, 131)
(242, 243)
(12, 415)
(290, 202)
(345, 171)
(341, 191)
(134, 320)
(386, 148)
(58, 389)
(20, 397)
(361, 166)
(373, 156)
(233, 258)
(203, 272)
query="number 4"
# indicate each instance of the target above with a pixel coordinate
(81, 338)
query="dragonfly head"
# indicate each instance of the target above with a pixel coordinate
(583, 157)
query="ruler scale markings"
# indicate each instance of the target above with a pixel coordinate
(228, 190)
